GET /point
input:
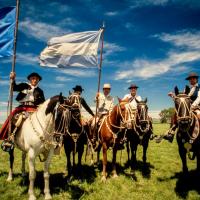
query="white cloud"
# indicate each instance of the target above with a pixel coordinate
(55, 85)
(40, 30)
(187, 50)
(27, 59)
(111, 13)
(142, 3)
(62, 78)
(79, 72)
(4, 82)
(186, 39)
(111, 48)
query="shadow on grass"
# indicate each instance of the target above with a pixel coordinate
(144, 168)
(59, 183)
(185, 183)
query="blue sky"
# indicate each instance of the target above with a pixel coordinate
(153, 43)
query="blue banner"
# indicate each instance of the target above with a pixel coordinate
(7, 28)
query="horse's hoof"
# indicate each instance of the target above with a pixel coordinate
(9, 179)
(115, 176)
(103, 179)
(32, 197)
(47, 197)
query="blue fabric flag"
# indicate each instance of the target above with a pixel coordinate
(7, 28)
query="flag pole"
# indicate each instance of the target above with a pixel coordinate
(13, 65)
(99, 76)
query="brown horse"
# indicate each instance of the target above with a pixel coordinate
(188, 133)
(109, 134)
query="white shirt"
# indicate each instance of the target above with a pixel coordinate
(29, 94)
(132, 101)
(105, 103)
(192, 90)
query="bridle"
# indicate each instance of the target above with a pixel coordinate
(185, 117)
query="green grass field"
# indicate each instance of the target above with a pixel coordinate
(161, 179)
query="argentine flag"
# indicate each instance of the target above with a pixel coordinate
(7, 28)
(72, 50)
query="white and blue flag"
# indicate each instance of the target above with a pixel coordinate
(7, 28)
(72, 50)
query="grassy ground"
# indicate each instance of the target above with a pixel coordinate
(161, 179)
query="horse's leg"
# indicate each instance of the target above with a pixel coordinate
(198, 162)
(11, 157)
(133, 145)
(182, 153)
(128, 151)
(80, 154)
(104, 162)
(67, 153)
(114, 162)
(145, 146)
(46, 175)
(32, 173)
(23, 164)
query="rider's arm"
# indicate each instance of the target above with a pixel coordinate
(87, 108)
(197, 101)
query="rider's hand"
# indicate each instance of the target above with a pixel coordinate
(12, 75)
(97, 95)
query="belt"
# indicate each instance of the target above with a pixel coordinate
(28, 103)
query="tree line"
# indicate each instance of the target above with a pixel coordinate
(166, 115)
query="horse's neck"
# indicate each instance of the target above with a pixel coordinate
(44, 120)
(115, 117)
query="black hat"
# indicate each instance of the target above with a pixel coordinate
(133, 86)
(34, 74)
(192, 75)
(78, 88)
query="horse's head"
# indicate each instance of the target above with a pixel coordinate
(74, 103)
(182, 107)
(59, 111)
(142, 113)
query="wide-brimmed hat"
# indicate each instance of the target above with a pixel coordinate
(192, 75)
(34, 74)
(78, 88)
(107, 86)
(133, 86)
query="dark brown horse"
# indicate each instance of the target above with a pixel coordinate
(75, 136)
(188, 138)
(109, 131)
(139, 133)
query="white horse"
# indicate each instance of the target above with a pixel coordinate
(35, 137)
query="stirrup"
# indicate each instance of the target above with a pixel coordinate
(7, 145)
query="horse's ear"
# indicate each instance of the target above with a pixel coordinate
(145, 100)
(176, 90)
(187, 89)
(137, 100)
(61, 99)
(119, 99)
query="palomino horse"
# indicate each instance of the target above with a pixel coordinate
(108, 134)
(74, 138)
(188, 137)
(139, 133)
(35, 137)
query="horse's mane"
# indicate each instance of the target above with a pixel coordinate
(52, 103)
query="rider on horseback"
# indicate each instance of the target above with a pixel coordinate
(29, 97)
(105, 103)
(194, 95)
(78, 91)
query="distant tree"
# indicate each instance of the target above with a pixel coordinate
(166, 115)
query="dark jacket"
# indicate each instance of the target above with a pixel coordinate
(37, 93)
(87, 108)
(195, 94)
